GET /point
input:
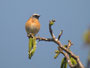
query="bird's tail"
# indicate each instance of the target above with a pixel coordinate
(32, 46)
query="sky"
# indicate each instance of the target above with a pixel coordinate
(72, 16)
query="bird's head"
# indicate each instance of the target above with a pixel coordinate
(36, 16)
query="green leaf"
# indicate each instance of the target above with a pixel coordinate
(73, 61)
(57, 54)
(30, 47)
(65, 46)
(64, 63)
(51, 23)
(57, 51)
(34, 46)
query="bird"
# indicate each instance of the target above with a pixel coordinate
(32, 27)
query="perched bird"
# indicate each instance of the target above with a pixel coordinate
(32, 27)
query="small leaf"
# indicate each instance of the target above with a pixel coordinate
(65, 64)
(73, 61)
(30, 47)
(52, 22)
(62, 63)
(57, 51)
(34, 46)
(57, 54)
(65, 46)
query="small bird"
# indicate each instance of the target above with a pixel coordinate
(32, 27)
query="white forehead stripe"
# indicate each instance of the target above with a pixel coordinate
(36, 14)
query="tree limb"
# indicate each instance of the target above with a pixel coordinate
(65, 51)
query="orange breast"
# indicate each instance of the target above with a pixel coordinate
(32, 26)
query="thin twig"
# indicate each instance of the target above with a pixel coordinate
(50, 29)
(44, 39)
(69, 44)
(59, 36)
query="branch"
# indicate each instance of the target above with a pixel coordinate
(68, 59)
(69, 44)
(65, 51)
(44, 39)
(50, 29)
(59, 36)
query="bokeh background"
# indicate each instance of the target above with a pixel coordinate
(72, 16)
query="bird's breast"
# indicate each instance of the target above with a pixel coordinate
(32, 26)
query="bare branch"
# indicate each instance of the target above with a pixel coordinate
(44, 39)
(68, 59)
(79, 64)
(50, 29)
(65, 51)
(60, 34)
(69, 44)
